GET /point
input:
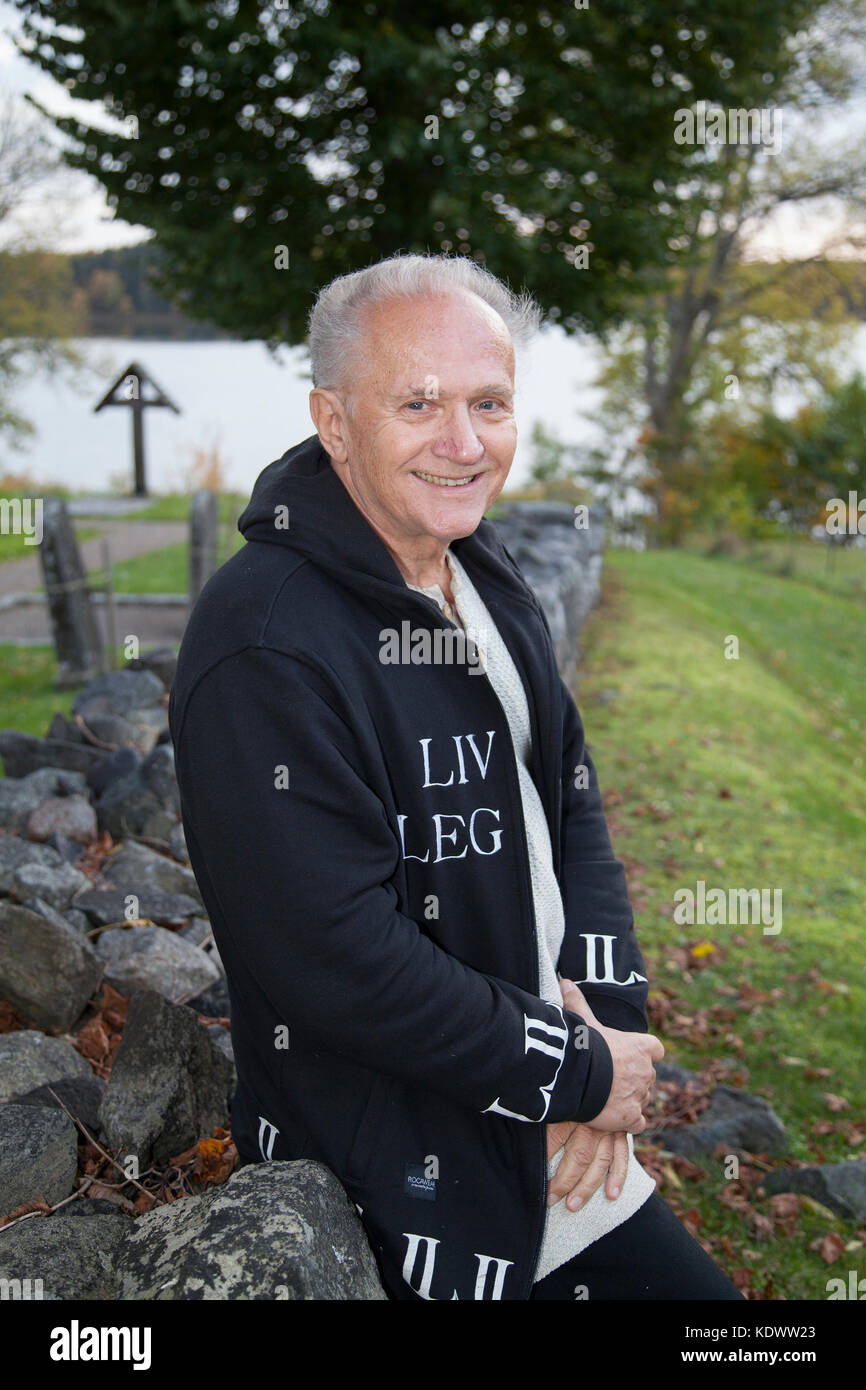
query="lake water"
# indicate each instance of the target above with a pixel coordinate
(251, 407)
(237, 398)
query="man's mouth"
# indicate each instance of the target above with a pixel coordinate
(445, 482)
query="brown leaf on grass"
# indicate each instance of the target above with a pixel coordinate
(686, 1168)
(835, 1103)
(829, 1247)
(692, 1220)
(36, 1204)
(742, 1278)
(823, 1127)
(818, 1073)
(785, 1211)
(761, 1225)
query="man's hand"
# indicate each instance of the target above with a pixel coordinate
(589, 1155)
(633, 1056)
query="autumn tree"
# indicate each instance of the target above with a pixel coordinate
(719, 331)
(38, 308)
(272, 146)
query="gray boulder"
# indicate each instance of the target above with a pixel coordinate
(733, 1118)
(123, 692)
(177, 844)
(72, 1252)
(82, 1096)
(140, 802)
(47, 970)
(162, 661)
(23, 753)
(132, 867)
(20, 796)
(154, 958)
(839, 1186)
(169, 1083)
(29, 1059)
(274, 1231)
(38, 1155)
(105, 906)
(560, 563)
(14, 852)
(72, 816)
(57, 885)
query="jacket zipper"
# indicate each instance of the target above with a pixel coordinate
(527, 882)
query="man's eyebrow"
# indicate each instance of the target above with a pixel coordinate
(496, 388)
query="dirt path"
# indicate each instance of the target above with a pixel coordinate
(154, 626)
(126, 538)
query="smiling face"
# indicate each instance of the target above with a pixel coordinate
(422, 432)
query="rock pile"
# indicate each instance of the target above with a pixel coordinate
(95, 892)
(96, 889)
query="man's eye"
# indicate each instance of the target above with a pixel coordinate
(410, 404)
(497, 405)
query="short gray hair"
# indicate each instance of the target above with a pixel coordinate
(335, 317)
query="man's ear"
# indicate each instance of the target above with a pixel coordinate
(330, 418)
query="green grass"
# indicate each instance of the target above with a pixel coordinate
(175, 506)
(164, 571)
(744, 773)
(28, 698)
(834, 568)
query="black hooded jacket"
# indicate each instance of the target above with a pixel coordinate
(356, 830)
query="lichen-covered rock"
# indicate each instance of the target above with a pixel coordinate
(29, 1059)
(71, 1253)
(38, 1155)
(274, 1231)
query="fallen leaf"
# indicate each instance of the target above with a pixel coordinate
(37, 1204)
(835, 1103)
(829, 1247)
(110, 1194)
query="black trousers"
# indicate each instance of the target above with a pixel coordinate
(650, 1256)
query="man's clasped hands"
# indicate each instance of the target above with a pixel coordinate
(601, 1148)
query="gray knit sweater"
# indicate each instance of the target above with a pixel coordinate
(566, 1232)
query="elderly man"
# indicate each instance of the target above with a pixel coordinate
(401, 844)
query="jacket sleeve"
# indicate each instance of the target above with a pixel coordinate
(600, 950)
(301, 859)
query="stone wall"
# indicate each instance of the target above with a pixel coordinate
(118, 1038)
(562, 564)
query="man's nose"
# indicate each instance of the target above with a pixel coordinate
(458, 439)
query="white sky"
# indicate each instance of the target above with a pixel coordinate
(88, 224)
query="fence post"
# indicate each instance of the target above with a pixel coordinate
(77, 639)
